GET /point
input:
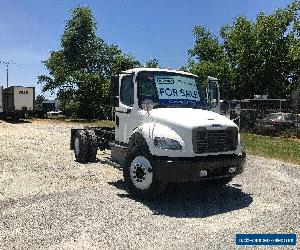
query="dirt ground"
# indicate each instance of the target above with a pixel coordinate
(49, 201)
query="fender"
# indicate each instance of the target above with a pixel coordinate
(151, 130)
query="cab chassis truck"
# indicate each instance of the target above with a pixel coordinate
(167, 129)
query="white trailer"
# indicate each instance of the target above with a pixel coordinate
(17, 101)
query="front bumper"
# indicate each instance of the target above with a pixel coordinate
(188, 169)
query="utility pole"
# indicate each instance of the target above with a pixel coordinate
(7, 64)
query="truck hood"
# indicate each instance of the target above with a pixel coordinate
(190, 118)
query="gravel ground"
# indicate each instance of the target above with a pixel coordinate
(49, 201)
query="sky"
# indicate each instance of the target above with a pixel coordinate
(160, 29)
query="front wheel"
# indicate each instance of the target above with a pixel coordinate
(139, 174)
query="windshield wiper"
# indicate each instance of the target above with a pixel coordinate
(156, 105)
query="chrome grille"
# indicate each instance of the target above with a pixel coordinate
(210, 141)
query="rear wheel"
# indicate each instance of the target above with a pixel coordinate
(92, 145)
(85, 146)
(139, 174)
(81, 146)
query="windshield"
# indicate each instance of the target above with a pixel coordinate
(167, 89)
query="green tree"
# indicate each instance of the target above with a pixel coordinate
(208, 58)
(81, 69)
(259, 53)
(294, 52)
(239, 46)
(252, 57)
(38, 102)
(152, 63)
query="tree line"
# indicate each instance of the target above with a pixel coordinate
(260, 56)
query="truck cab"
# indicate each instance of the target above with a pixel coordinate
(167, 129)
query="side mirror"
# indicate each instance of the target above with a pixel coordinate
(114, 101)
(114, 85)
(114, 91)
(213, 94)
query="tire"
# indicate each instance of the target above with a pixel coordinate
(92, 146)
(139, 174)
(85, 146)
(81, 147)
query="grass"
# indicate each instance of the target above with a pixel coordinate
(94, 123)
(272, 147)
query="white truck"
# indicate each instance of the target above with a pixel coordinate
(165, 131)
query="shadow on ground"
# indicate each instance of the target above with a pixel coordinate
(194, 200)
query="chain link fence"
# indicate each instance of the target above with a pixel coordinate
(255, 112)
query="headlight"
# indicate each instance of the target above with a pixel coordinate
(166, 143)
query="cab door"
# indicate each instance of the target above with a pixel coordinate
(123, 113)
(213, 95)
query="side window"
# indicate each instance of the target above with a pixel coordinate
(213, 94)
(127, 91)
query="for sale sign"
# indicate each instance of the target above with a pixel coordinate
(177, 90)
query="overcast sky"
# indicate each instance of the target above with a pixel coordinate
(160, 29)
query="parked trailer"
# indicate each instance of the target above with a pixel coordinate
(17, 101)
(164, 133)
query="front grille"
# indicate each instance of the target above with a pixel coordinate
(210, 141)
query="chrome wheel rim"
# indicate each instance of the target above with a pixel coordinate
(141, 172)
